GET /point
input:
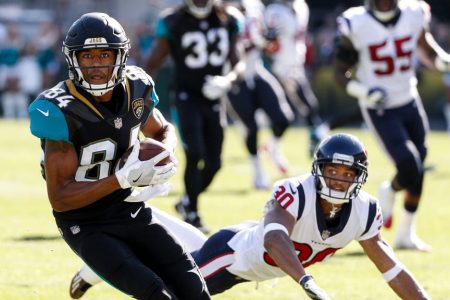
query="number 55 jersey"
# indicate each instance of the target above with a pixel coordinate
(313, 239)
(387, 50)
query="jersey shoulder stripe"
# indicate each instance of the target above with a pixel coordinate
(371, 216)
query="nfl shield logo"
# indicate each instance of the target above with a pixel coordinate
(118, 123)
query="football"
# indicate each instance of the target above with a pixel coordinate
(149, 148)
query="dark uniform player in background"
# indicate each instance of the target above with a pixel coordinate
(201, 38)
(85, 125)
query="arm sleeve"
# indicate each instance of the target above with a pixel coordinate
(47, 121)
(161, 31)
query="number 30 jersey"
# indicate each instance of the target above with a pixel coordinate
(99, 134)
(387, 52)
(199, 47)
(313, 241)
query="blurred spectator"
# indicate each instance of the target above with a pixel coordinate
(48, 48)
(13, 101)
(31, 75)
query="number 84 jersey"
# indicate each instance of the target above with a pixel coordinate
(387, 51)
(313, 239)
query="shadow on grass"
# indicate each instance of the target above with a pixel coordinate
(37, 238)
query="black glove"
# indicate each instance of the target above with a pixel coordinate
(312, 289)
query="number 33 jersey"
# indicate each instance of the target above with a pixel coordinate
(387, 52)
(313, 240)
(199, 47)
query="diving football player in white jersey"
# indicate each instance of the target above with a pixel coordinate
(306, 220)
(288, 20)
(381, 40)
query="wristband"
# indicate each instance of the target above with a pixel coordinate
(275, 226)
(392, 273)
(305, 278)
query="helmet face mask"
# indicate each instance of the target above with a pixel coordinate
(199, 8)
(340, 149)
(383, 10)
(96, 31)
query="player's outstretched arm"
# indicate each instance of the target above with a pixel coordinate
(431, 54)
(395, 274)
(278, 225)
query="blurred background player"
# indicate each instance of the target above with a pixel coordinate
(381, 39)
(258, 89)
(446, 80)
(287, 20)
(307, 219)
(85, 125)
(201, 37)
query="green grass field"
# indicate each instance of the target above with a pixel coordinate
(35, 263)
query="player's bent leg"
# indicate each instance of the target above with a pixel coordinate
(185, 278)
(214, 258)
(116, 259)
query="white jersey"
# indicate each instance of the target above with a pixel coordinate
(387, 53)
(360, 220)
(252, 37)
(291, 26)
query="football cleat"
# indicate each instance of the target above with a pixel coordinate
(194, 219)
(276, 155)
(181, 206)
(411, 242)
(386, 195)
(78, 286)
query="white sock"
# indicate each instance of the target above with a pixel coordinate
(192, 238)
(256, 163)
(407, 224)
(89, 275)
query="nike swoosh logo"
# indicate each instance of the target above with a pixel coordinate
(292, 191)
(133, 215)
(45, 113)
(135, 180)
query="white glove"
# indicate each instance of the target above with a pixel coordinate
(375, 96)
(216, 86)
(442, 62)
(143, 173)
(149, 192)
(312, 289)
